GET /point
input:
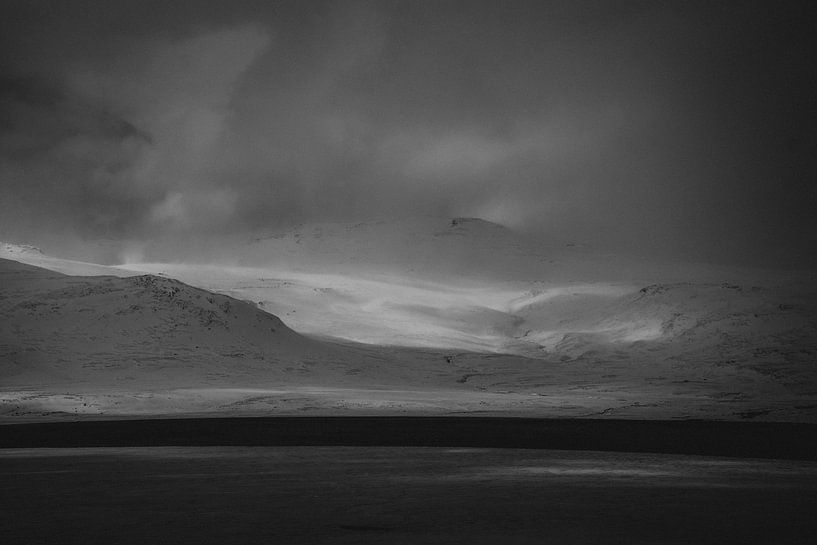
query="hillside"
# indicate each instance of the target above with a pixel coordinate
(104, 345)
(721, 343)
(110, 331)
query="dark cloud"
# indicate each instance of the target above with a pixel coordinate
(685, 129)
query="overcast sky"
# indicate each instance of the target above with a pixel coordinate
(676, 128)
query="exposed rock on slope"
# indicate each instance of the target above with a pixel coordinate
(19, 250)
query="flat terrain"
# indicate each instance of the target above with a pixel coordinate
(293, 495)
(736, 439)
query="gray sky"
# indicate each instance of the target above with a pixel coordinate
(670, 128)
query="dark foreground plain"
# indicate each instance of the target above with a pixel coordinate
(715, 438)
(401, 495)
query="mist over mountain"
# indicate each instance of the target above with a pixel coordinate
(675, 130)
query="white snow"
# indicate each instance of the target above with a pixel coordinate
(599, 335)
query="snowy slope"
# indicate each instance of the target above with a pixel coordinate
(34, 256)
(591, 334)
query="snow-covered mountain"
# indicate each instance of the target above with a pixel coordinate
(426, 296)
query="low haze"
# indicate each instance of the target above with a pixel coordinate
(682, 130)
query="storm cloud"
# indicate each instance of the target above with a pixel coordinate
(682, 129)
